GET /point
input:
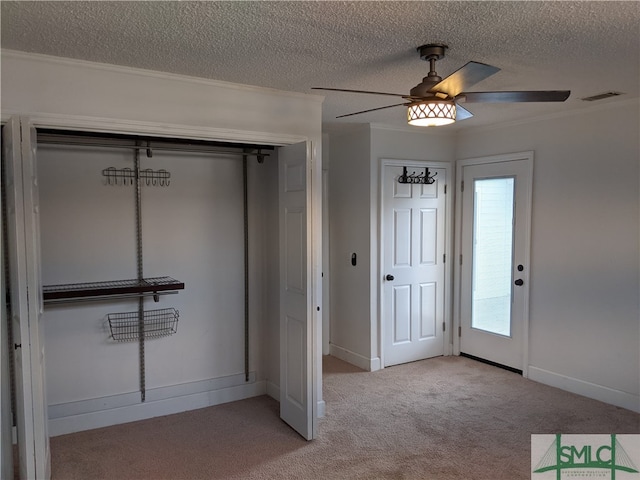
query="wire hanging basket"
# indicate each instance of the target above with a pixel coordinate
(127, 326)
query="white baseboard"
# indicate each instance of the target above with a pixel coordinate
(106, 411)
(273, 391)
(586, 389)
(322, 408)
(375, 364)
(365, 363)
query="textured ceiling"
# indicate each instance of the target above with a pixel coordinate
(586, 47)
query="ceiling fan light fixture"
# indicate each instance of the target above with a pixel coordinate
(431, 113)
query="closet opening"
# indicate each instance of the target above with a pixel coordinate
(160, 273)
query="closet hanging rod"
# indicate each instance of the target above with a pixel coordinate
(124, 296)
(182, 148)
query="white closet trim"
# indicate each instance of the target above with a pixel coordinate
(111, 125)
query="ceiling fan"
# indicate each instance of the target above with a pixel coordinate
(436, 101)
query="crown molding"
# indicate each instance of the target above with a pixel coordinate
(72, 62)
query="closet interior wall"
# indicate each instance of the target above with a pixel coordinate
(193, 231)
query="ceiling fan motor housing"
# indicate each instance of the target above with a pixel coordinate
(430, 52)
(424, 89)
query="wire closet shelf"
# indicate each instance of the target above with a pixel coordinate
(115, 289)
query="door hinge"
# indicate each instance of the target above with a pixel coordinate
(462, 186)
(459, 331)
(460, 259)
(444, 327)
(445, 189)
(444, 258)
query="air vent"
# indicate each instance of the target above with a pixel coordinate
(602, 96)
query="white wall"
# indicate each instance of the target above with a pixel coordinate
(584, 310)
(350, 227)
(269, 242)
(82, 95)
(355, 162)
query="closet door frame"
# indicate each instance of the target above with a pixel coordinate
(314, 211)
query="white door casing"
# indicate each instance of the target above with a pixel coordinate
(19, 139)
(297, 380)
(413, 243)
(325, 274)
(511, 347)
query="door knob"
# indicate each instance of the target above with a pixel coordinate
(519, 282)
(390, 277)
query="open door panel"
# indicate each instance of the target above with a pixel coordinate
(23, 245)
(296, 312)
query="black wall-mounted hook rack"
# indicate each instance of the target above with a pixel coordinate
(425, 178)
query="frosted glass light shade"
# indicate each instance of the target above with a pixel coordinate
(431, 113)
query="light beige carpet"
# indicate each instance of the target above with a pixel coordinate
(443, 418)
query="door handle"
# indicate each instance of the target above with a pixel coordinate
(390, 277)
(519, 282)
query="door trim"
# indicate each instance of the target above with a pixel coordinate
(92, 124)
(460, 164)
(448, 242)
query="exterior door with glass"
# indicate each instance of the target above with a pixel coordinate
(494, 231)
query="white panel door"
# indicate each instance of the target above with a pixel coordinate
(6, 416)
(23, 243)
(413, 244)
(495, 224)
(296, 315)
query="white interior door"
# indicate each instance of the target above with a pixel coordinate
(494, 274)
(6, 416)
(413, 244)
(23, 243)
(296, 314)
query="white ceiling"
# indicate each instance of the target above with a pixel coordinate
(586, 47)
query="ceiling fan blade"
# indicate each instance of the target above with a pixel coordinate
(361, 91)
(464, 77)
(525, 96)
(373, 110)
(462, 113)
